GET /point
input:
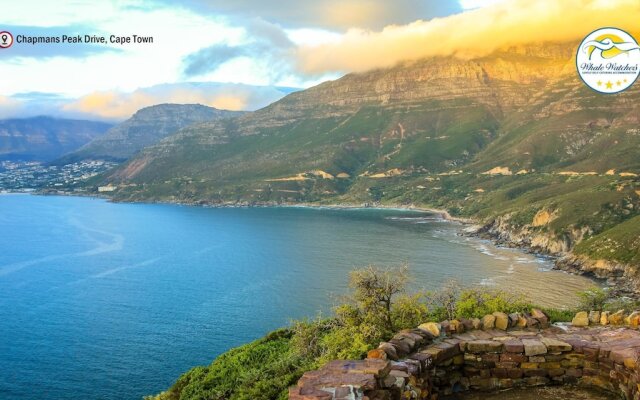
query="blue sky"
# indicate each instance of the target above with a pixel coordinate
(244, 51)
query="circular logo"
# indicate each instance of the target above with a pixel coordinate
(608, 60)
(6, 40)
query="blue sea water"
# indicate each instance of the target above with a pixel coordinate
(113, 301)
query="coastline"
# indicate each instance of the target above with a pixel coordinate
(568, 262)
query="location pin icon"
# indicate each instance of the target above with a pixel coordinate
(4, 39)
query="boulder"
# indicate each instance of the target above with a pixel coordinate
(476, 323)
(377, 353)
(532, 322)
(617, 318)
(522, 321)
(468, 324)
(456, 326)
(541, 317)
(433, 328)
(594, 317)
(513, 319)
(634, 319)
(488, 322)
(389, 349)
(501, 321)
(581, 319)
(604, 318)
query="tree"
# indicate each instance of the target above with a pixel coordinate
(446, 298)
(374, 290)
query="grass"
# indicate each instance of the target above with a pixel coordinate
(263, 369)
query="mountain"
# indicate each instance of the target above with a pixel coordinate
(45, 138)
(513, 140)
(146, 127)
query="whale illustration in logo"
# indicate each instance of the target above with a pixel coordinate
(607, 47)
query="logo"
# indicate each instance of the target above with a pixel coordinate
(6, 40)
(608, 60)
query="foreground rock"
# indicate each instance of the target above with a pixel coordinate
(416, 364)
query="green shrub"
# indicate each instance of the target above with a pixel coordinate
(593, 299)
(261, 370)
(478, 302)
(443, 301)
(410, 310)
(621, 303)
(557, 315)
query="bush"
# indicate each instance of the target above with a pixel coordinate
(263, 370)
(621, 303)
(409, 311)
(478, 302)
(444, 300)
(556, 315)
(593, 299)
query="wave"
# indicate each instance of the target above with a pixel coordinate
(125, 267)
(416, 220)
(487, 282)
(116, 244)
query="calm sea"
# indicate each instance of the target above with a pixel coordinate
(114, 301)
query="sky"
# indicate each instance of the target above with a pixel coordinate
(245, 54)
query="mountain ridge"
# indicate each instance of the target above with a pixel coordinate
(499, 139)
(147, 126)
(44, 138)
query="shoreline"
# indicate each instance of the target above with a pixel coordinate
(474, 228)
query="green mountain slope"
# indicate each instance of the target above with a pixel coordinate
(514, 140)
(146, 127)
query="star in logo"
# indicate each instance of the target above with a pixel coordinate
(599, 83)
(609, 85)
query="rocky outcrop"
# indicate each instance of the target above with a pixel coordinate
(622, 278)
(415, 364)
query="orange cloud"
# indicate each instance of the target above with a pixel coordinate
(473, 33)
(118, 105)
(111, 104)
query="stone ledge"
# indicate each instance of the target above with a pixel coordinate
(439, 359)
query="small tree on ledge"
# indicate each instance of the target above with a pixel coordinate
(374, 290)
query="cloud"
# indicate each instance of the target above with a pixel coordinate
(117, 105)
(46, 50)
(266, 43)
(328, 14)
(210, 58)
(473, 33)
(9, 106)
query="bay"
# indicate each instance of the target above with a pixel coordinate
(113, 301)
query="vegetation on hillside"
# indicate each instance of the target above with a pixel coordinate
(377, 306)
(570, 152)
